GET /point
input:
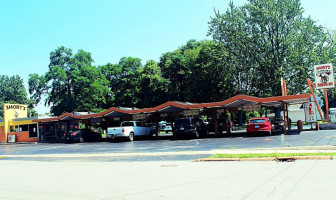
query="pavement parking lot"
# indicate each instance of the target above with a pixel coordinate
(162, 169)
(165, 148)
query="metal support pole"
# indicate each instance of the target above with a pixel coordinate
(284, 117)
(157, 118)
(215, 121)
(240, 117)
(327, 104)
(287, 117)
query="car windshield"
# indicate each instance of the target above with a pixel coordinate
(127, 124)
(256, 121)
(182, 122)
(140, 124)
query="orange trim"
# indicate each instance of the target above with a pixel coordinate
(310, 84)
(3, 135)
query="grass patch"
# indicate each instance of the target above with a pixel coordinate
(265, 155)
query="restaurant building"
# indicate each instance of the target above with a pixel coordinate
(16, 126)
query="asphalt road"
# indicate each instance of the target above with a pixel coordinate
(164, 146)
(309, 180)
(67, 171)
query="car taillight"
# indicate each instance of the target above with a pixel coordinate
(74, 133)
(123, 130)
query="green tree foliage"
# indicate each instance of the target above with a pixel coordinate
(152, 86)
(123, 81)
(127, 86)
(71, 84)
(267, 40)
(331, 92)
(211, 79)
(12, 90)
(198, 72)
(176, 69)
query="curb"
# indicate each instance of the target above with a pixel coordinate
(280, 159)
(14, 143)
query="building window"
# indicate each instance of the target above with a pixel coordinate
(23, 128)
(14, 129)
(32, 130)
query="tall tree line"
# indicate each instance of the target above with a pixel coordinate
(252, 47)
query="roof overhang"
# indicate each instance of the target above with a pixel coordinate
(171, 106)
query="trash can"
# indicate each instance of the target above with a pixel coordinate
(299, 125)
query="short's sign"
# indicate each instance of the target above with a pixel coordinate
(14, 111)
(191, 112)
(248, 108)
(324, 76)
(139, 117)
(310, 111)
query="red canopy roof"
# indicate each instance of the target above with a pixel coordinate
(173, 106)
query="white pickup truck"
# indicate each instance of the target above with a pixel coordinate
(130, 129)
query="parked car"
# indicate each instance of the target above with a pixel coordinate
(82, 135)
(130, 129)
(188, 126)
(222, 126)
(260, 124)
(165, 126)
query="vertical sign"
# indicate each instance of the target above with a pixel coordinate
(324, 76)
(310, 111)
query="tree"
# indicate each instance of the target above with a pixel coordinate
(211, 78)
(176, 69)
(71, 84)
(152, 86)
(90, 89)
(12, 90)
(267, 40)
(331, 92)
(126, 81)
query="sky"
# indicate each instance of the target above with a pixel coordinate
(110, 29)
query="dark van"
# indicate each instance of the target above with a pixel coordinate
(189, 127)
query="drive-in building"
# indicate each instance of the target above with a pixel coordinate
(25, 129)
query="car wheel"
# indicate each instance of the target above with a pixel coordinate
(131, 136)
(81, 139)
(150, 136)
(174, 136)
(229, 130)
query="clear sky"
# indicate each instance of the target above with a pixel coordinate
(110, 29)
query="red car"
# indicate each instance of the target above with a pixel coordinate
(260, 124)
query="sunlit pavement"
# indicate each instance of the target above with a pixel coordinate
(165, 148)
(168, 180)
(163, 169)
